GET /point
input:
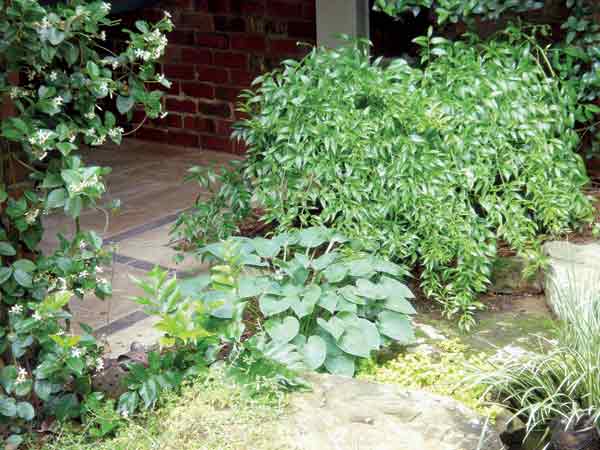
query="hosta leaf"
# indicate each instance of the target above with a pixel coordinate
(400, 305)
(341, 364)
(325, 261)
(253, 286)
(313, 237)
(329, 301)
(354, 341)
(266, 248)
(271, 304)
(25, 265)
(336, 272)
(346, 306)
(334, 326)
(362, 267)
(42, 389)
(283, 331)
(366, 288)
(350, 293)
(149, 392)
(312, 294)
(302, 308)
(394, 289)
(314, 352)
(396, 326)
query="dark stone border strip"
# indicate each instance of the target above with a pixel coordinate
(140, 229)
(121, 324)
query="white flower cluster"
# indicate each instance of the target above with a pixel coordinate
(31, 216)
(106, 6)
(115, 133)
(157, 42)
(16, 309)
(21, 376)
(100, 140)
(90, 115)
(58, 101)
(40, 138)
(53, 75)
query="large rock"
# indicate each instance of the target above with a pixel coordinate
(573, 274)
(348, 414)
(507, 277)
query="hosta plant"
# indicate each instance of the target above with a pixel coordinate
(431, 167)
(312, 304)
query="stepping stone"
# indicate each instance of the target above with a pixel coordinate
(573, 274)
(349, 414)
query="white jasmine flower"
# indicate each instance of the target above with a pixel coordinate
(31, 216)
(16, 309)
(58, 101)
(76, 353)
(164, 114)
(60, 333)
(99, 140)
(168, 14)
(115, 132)
(125, 414)
(106, 6)
(72, 138)
(90, 115)
(99, 364)
(37, 316)
(102, 35)
(99, 269)
(53, 75)
(21, 375)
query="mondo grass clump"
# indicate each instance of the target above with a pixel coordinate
(560, 385)
(432, 166)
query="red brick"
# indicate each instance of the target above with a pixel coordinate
(174, 89)
(182, 37)
(219, 6)
(284, 9)
(181, 4)
(216, 143)
(183, 139)
(230, 24)
(152, 134)
(138, 116)
(227, 93)
(232, 60)
(197, 21)
(212, 40)
(248, 7)
(180, 71)
(195, 56)
(173, 53)
(193, 123)
(172, 120)
(255, 43)
(307, 30)
(242, 78)
(202, 5)
(214, 108)
(213, 75)
(187, 106)
(309, 12)
(198, 90)
(285, 47)
(223, 127)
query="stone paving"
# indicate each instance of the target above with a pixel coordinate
(148, 180)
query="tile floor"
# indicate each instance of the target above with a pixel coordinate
(148, 180)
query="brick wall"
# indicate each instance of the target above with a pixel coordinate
(217, 48)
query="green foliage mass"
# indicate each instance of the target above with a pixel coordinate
(431, 167)
(573, 51)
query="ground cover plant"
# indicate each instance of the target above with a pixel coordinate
(68, 85)
(431, 167)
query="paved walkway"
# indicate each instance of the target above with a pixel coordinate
(148, 180)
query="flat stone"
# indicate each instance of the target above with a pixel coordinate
(573, 274)
(348, 414)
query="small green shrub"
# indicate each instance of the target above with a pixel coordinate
(430, 167)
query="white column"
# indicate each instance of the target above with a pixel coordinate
(335, 17)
